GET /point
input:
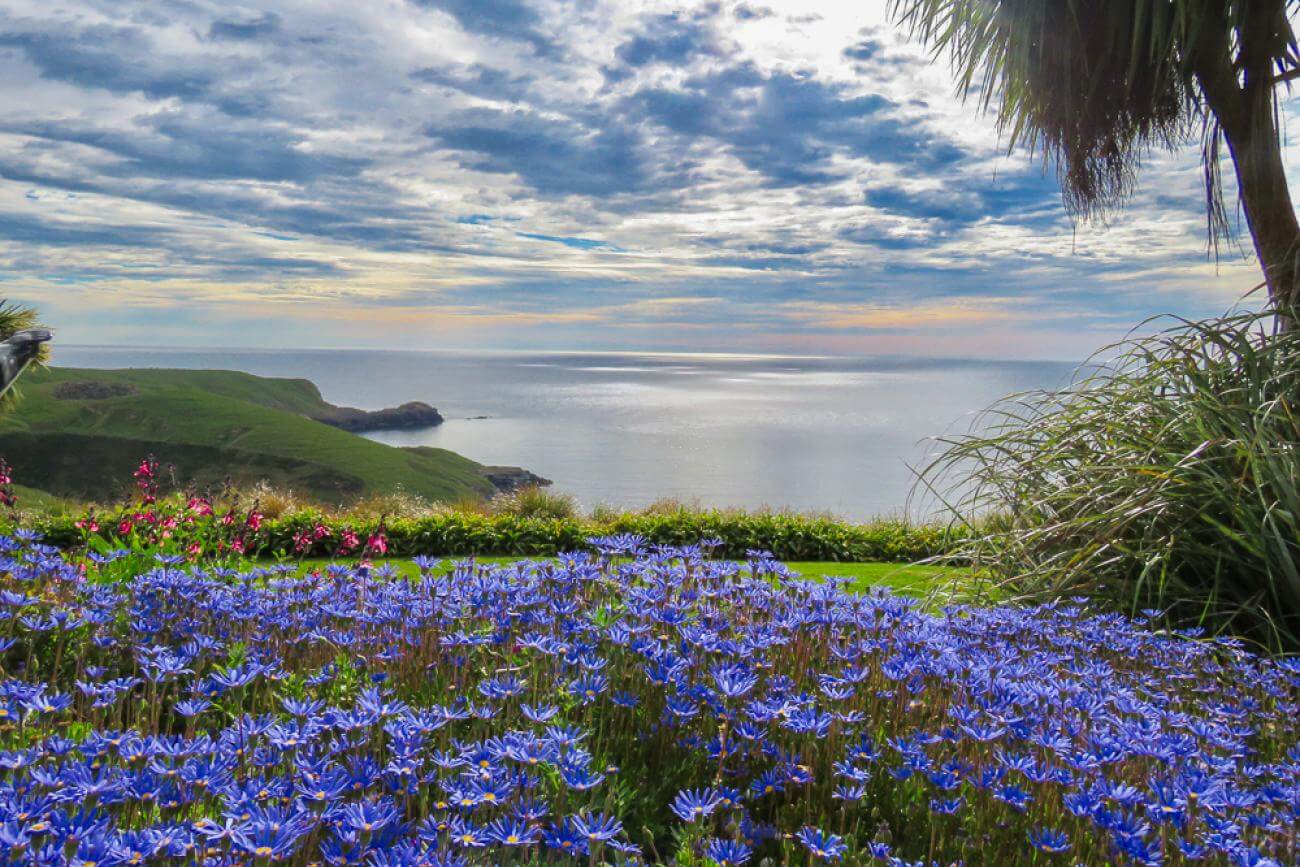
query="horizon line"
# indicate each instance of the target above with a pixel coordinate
(660, 353)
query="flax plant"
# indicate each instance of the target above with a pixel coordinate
(1166, 476)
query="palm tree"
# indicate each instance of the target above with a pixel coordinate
(1094, 85)
(15, 318)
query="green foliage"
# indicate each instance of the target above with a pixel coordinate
(1168, 478)
(536, 502)
(15, 318)
(1095, 84)
(454, 533)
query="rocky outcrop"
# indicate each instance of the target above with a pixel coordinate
(92, 390)
(409, 416)
(507, 479)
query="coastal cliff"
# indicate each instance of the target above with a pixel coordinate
(82, 432)
(412, 415)
(507, 479)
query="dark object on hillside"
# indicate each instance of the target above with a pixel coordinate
(507, 479)
(409, 416)
(18, 351)
(90, 390)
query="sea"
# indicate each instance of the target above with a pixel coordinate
(836, 435)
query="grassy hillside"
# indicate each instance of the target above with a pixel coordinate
(79, 433)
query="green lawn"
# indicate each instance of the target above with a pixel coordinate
(900, 577)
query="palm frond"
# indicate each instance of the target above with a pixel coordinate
(1093, 86)
(17, 317)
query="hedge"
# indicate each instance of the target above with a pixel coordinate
(788, 537)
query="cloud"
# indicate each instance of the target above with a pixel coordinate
(876, 48)
(266, 24)
(195, 142)
(477, 79)
(791, 127)
(725, 168)
(31, 230)
(670, 39)
(113, 58)
(514, 20)
(554, 157)
(751, 12)
(871, 317)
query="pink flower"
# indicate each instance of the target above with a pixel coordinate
(378, 543)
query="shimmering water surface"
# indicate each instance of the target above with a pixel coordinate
(821, 434)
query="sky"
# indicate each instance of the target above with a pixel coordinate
(755, 177)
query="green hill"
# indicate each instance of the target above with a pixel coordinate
(80, 433)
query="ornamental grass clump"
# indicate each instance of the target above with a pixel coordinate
(637, 705)
(1167, 478)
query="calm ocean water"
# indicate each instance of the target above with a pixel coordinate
(832, 435)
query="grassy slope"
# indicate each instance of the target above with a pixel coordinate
(240, 419)
(31, 499)
(299, 396)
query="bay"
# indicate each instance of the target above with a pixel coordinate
(837, 435)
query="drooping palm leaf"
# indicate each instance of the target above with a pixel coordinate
(1095, 85)
(15, 318)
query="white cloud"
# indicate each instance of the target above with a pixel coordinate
(394, 158)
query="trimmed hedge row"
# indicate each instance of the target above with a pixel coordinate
(788, 537)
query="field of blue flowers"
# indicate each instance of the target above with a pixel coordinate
(635, 705)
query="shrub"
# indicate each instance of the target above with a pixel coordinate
(1167, 478)
(620, 707)
(271, 522)
(396, 503)
(532, 524)
(271, 501)
(535, 502)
